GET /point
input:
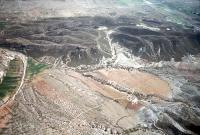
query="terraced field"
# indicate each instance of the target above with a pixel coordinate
(12, 79)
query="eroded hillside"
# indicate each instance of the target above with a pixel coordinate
(127, 69)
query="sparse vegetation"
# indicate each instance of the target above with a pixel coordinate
(34, 67)
(2, 25)
(12, 78)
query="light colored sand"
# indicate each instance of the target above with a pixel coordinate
(139, 81)
(106, 91)
(43, 88)
(84, 97)
(116, 113)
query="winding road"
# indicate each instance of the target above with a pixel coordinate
(24, 60)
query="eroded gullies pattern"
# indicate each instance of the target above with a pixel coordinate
(91, 86)
(78, 41)
(157, 45)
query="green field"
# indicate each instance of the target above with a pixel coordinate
(12, 78)
(34, 67)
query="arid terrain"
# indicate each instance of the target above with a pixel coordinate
(99, 67)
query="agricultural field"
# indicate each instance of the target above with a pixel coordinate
(12, 79)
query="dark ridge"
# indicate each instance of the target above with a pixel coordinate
(194, 128)
(152, 21)
(196, 37)
(154, 46)
(63, 33)
(169, 129)
(186, 124)
(138, 31)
